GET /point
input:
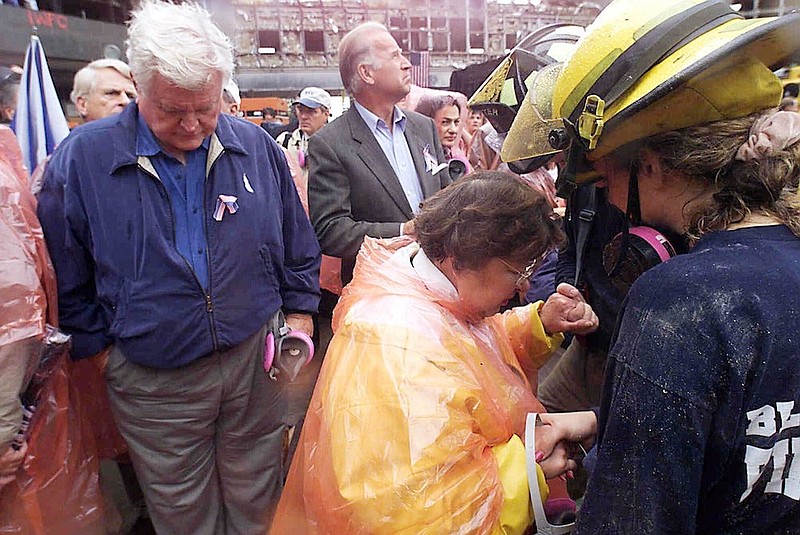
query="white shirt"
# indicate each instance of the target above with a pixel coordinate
(432, 276)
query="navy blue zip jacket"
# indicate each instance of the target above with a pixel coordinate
(109, 229)
(699, 426)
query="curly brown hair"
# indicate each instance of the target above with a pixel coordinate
(485, 215)
(706, 154)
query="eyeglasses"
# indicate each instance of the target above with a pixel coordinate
(526, 273)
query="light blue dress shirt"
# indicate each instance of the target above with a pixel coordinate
(395, 147)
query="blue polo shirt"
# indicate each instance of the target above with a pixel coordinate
(184, 185)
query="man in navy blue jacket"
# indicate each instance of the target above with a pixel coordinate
(177, 233)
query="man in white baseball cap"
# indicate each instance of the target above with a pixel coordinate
(231, 100)
(314, 97)
(312, 108)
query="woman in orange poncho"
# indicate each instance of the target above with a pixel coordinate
(415, 424)
(50, 486)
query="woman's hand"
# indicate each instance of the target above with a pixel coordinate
(558, 462)
(566, 310)
(576, 427)
(10, 462)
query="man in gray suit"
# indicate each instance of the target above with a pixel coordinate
(370, 169)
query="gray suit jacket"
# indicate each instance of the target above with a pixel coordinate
(352, 189)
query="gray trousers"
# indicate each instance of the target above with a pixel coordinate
(205, 439)
(576, 381)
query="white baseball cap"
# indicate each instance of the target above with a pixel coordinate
(314, 97)
(233, 90)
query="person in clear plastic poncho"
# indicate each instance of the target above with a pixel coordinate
(415, 424)
(48, 485)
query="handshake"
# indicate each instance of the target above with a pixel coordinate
(553, 443)
(560, 438)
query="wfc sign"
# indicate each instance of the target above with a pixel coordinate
(45, 18)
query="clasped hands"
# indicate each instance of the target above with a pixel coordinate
(558, 437)
(567, 311)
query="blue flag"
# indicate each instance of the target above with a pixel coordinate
(39, 122)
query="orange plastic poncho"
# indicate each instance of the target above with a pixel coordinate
(56, 491)
(28, 280)
(411, 400)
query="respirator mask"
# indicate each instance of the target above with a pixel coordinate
(631, 253)
(286, 352)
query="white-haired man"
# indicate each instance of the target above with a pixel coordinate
(184, 236)
(102, 88)
(370, 169)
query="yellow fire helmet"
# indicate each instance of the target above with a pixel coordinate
(500, 95)
(528, 137)
(644, 69)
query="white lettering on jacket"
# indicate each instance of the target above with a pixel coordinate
(766, 422)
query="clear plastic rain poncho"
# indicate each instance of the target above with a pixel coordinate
(56, 490)
(28, 282)
(410, 408)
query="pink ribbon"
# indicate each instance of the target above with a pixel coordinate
(770, 134)
(225, 202)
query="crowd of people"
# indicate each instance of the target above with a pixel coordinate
(426, 251)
